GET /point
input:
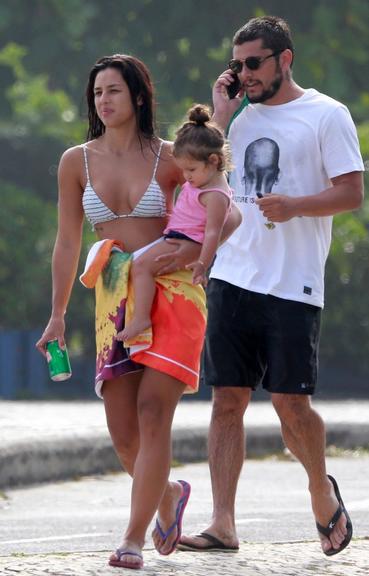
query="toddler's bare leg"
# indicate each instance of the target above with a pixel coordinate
(142, 275)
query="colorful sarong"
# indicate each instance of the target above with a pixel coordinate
(178, 315)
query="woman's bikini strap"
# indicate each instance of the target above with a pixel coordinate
(84, 148)
(158, 158)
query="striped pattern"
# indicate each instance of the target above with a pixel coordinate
(151, 205)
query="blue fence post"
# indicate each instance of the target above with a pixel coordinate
(11, 363)
(36, 374)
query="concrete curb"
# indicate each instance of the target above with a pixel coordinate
(72, 456)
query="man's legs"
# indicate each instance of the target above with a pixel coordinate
(231, 365)
(226, 446)
(303, 432)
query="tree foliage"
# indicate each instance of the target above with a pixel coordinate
(27, 235)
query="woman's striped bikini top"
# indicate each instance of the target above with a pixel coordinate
(151, 205)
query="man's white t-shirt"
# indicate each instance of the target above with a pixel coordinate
(293, 149)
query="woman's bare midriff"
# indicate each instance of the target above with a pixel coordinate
(133, 232)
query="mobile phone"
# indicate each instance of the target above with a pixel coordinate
(234, 88)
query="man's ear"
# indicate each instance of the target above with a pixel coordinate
(286, 59)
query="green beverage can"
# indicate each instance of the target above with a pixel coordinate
(58, 361)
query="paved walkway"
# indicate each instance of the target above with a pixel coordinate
(279, 559)
(46, 441)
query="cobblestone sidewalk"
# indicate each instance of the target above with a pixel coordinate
(278, 559)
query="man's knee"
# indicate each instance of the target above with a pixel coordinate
(292, 408)
(230, 401)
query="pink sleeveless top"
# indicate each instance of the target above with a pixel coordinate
(189, 215)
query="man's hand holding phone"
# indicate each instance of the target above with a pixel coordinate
(227, 97)
(233, 88)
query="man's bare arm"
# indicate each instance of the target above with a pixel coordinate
(345, 194)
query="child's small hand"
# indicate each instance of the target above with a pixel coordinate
(199, 272)
(200, 279)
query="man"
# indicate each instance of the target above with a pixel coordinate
(266, 290)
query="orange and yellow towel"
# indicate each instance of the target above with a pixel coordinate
(174, 344)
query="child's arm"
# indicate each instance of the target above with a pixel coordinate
(216, 205)
(233, 221)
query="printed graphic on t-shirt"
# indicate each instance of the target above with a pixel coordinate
(261, 169)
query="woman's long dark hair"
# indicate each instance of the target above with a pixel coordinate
(137, 77)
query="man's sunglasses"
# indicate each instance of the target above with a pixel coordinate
(252, 62)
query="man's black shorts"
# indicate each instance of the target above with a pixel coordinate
(254, 339)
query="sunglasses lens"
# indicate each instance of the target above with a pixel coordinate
(252, 63)
(235, 66)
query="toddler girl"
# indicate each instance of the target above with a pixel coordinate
(200, 150)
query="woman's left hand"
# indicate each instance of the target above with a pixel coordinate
(185, 253)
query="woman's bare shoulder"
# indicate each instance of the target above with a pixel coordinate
(73, 155)
(71, 165)
(167, 150)
(168, 170)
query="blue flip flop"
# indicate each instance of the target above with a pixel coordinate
(121, 563)
(327, 530)
(182, 503)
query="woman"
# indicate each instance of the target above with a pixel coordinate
(124, 179)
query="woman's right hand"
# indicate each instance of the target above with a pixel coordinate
(186, 252)
(54, 330)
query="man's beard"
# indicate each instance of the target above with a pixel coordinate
(267, 94)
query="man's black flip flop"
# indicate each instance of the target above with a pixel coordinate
(327, 530)
(213, 545)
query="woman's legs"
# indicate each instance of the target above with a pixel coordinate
(158, 396)
(140, 420)
(142, 274)
(120, 401)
